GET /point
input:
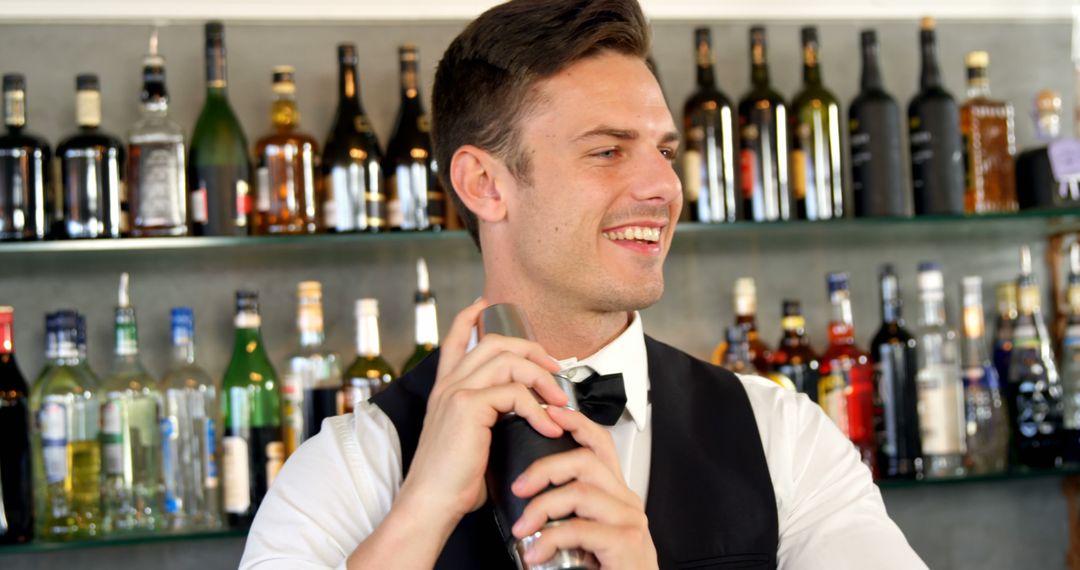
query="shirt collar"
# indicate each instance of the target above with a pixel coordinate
(625, 354)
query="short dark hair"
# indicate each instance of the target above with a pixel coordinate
(483, 84)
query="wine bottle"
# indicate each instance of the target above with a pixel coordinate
(708, 161)
(91, 170)
(763, 142)
(896, 415)
(987, 419)
(15, 482)
(877, 179)
(27, 210)
(192, 493)
(311, 385)
(157, 190)
(989, 143)
(370, 373)
(288, 193)
(252, 447)
(940, 388)
(219, 167)
(793, 357)
(1036, 185)
(416, 199)
(937, 169)
(427, 323)
(745, 294)
(817, 169)
(351, 162)
(846, 388)
(1034, 388)
(130, 431)
(66, 451)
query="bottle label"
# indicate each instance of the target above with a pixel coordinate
(275, 458)
(243, 199)
(169, 464)
(292, 392)
(112, 435)
(832, 397)
(53, 424)
(941, 410)
(200, 210)
(692, 164)
(88, 108)
(748, 166)
(330, 219)
(159, 191)
(237, 494)
(262, 189)
(210, 481)
(798, 174)
(1025, 336)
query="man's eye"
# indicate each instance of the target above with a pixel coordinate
(669, 153)
(606, 153)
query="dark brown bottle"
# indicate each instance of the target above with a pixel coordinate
(15, 443)
(763, 142)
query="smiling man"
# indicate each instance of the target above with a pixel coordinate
(558, 144)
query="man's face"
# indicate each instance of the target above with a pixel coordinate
(595, 224)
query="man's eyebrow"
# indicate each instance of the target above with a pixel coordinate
(623, 134)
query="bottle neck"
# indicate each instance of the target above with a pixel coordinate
(759, 65)
(367, 336)
(978, 82)
(127, 334)
(410, 89)
(215, 70)
(284, 114)
(15, 109)
(7, 339)
(933, 308)
(1048, 126)
(706, 78)
(427, 324)
(841, 327)
(871, 69)
(348, 86)
(184, 351)
(794, 330)
(63, 349)
(309, 321)
(247, 338)
(930, 76)
(811, 69)
(891, 311)
(88, 109)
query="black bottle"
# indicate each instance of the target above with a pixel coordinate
(874, 121)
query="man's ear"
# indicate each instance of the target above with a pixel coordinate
(475, 174)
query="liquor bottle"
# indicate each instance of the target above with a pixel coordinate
(1034, 388)
(937, 168)
(130, 431)
(763, 142)
(416, 199)
(793, 357)
(986, 417)
(745, 294)
(26, 208)
(1003, 328)
(737, 352)
(252, 448)
(311, 384)
(846, 388)
(877, 179)
(369, 374)
(1070, 361)
(351, 162)
(288, 192)
(80, 344)
(15, 482)
(708, 167)
(817, 181)
(427, 322)
(156, 187)
(989, 143)
(896, 414)
(219, 167)
(91, 170)
(66, 451)
(1035, 183)
(192, 493)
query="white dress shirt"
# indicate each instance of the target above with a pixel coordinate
(338, 486)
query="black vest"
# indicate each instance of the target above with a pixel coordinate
(710, 501)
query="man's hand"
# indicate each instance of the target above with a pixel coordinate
(610, 518)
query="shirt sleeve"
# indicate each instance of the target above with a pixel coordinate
(830, 512)
(330, 495)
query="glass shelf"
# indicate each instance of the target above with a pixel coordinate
(133, 540)
(1022, 226)
(1014, 475)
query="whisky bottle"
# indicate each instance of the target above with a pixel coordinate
(157, 191)
(763, 142)
(351, 162)
(987, 419)
(937, 168)
(989, 143)
(311, 384)
(877, 180)
(708, 161)
(1036, 186)
(427, 322)
(793, 357)
(288, 193)
(27, 210)
(369, 374)
(91, 169)
(15, 481)
(817, 181)
(745, 295)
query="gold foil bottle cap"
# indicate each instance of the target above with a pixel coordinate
(977, 59)
(926, 24)
(1048, 101)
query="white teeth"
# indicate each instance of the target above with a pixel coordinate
(634, 233)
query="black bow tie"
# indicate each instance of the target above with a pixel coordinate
(602, 398)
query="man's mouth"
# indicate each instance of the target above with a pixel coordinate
(639, 234)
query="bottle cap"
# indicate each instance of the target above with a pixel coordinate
(927, 24)
(215, 34)
(247, 301)
(14, 82)
(978, 59)
(367, 307)
(87, 82)
(1047, 101)
(182, 317)
(703, 35)
(809, 35)
(837, 281)
(347, 53)
(7, 314)
(931, 278)
(869, 38)
(309, 289)
(791, 308)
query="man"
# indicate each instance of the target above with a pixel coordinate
(559, 146)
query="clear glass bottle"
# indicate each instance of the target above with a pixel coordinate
(986, 418)
(427, 321)
(156, 182)
(941, 390)
(989, 143)
(370, 373)
(130, 431)
(311, 384)
(66, 449)
(189, 424)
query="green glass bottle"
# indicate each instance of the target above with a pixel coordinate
(252, 446)
(427, 323)
(219, 168)
(817, 181)
(66, 452)
(370, 373)
(130, 432)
